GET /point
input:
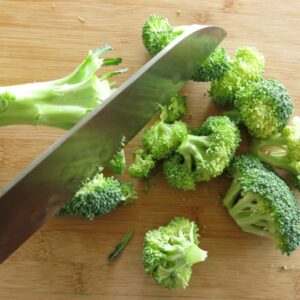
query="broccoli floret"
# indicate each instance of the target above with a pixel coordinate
(118, 163)
(98, 196)
(143, 164)
(157, 33)
(282, 150)
(247, 66)
(162, 139)
(171, 251)
(214, 66)
(265, 108)
(59, 103)
(261, 203)
(178, 174)
(175, 110)
(211, 147)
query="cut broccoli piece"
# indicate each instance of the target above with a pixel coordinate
(282, 150)
(211, 147)
(118, 163)
(171, 251)
(175, 110)
(178, 174)
(247, 66)
(214, 66)
(262, 204)
(157, 33)
(143, 164)
(162, 139)
(59, 103)
(98, 196)
(265, 108)
(203, 154)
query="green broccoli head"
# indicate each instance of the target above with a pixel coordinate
(177, 174)
(118, 163)
(209, 150)
(98, 196)
(214, 66)
(240, 163)
(59, 103)
(162, 139)
(175, 110)
(143, 164)
(157, 33)
(247, 66)
(261, 203)
(265, 108)
(171, 251)
(282, 149)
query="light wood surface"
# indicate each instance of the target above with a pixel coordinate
(67, 258)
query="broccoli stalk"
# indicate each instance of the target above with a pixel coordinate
(261, 203)
(171, 251)
(281, 150)
(59, 103)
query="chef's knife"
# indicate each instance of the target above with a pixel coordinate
(36, 194)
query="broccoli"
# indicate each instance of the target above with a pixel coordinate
(282, 149)
(157, 33)
(98, 196)
(143, 164)
(171, 251)
(118, 163)
(205, 153)
(178, 174)
(175, 110)
(214, 66)
(60, 103)
(261, 203)
(162, 139)
(246, 66)
(264, 108)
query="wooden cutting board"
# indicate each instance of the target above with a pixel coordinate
(67, 258)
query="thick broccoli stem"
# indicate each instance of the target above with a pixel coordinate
(247, 215)
(59, 103)
(232, 194)
(276, 158)
(193, 146)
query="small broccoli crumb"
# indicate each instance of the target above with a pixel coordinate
(82, 20)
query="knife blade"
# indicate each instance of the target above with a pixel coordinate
(42, 188)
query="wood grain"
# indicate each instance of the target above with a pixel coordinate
(67, 258)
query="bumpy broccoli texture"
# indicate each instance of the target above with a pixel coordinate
(59, 103)
(118, 163)
(171, 251)
(143, 164)
(162, 139)
(261, 203)
(175, 110)
(264, 107)
(204, 154)
(282, 150)
(98, 196)
(157, 33)
(246, 66)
